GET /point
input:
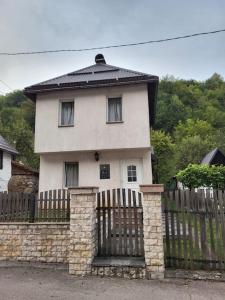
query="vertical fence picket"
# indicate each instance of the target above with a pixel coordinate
(136, 232)
(189, 220)
(209, 213)
(140, 217)
(99, 228)
(114, 227)
(124, 221)
(54, 210)
(222, 224)
(172, 227)
(119, 216)
(130, 252)
(103, 225)
(178, 238)
(109, 234)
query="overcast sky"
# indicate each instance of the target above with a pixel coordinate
(29, 25)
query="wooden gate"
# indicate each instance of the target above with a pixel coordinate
(120, 223)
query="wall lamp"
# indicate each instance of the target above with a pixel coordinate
(96, 156)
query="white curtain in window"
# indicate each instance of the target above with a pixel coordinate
(67, 113)
(114, 109)
(71, 174)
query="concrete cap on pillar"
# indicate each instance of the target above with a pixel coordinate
(81, 190)
(152, 188)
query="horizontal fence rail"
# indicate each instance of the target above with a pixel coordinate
(120, 223)
(194, 229)
(51, 206)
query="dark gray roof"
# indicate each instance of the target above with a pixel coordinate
(4, 145)
(94, 74)
(209, 157)
(98, 75)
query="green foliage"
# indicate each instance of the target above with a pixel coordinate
(192, 114)
(195, 176)
(164, 151)
(17, 125)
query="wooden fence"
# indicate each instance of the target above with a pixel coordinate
(194, 229)
(120, 223)
(51, 206)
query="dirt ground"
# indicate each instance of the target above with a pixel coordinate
(29, 283)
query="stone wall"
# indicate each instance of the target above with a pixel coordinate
(23, 184)
(41, 242)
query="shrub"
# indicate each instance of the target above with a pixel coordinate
(195, 176)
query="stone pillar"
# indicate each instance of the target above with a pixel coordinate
(153, 231)
(82, 230)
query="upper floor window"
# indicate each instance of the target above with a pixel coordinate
(71, 174)
(132, 173)
(1, 159)
(114, 110)
(66, 113)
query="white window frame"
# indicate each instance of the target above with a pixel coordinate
(64, 172)
(60, 111)
(107, 109)
(132, 176)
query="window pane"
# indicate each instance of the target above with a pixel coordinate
(114, 109)
(131, 173)
(105, 171)
(1, 159)
(71, 174)
(67, 113)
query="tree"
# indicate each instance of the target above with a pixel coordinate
(164, 152)
(169, 106)
(191, 149)
(17, 125)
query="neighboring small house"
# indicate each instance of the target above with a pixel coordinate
(214, 157)
(24, 179)
(7, 154)
(93, 127)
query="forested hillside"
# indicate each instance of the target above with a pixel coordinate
(17, 117)
(190, 122)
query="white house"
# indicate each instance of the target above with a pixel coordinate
(7, 153)
(93, 127)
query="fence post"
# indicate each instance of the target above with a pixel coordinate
(82, 230)
(32, 208)
(153, 231)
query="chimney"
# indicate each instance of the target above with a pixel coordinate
(99, 59)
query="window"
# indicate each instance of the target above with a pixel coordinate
(132, 173)
(1, 159)
(105, 171)
(114, 110)
(71, 174)
(67, 113)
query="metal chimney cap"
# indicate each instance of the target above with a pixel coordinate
(99, 59)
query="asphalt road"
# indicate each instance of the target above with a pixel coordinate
(27, 283)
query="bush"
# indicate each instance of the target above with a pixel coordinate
(195, 176)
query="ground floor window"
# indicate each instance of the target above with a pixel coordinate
(71, 174)
(105, 171)
(131, 173)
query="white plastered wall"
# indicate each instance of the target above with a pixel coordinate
(52, 168)
(5, 172)
(90, 130)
